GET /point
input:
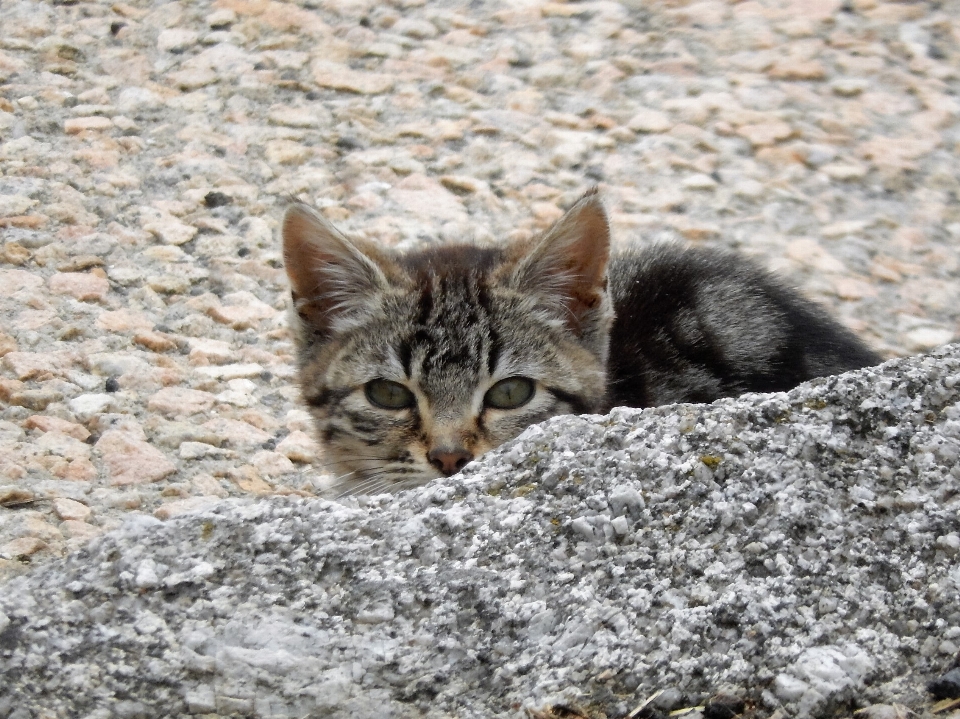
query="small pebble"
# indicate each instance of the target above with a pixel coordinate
(946, 686)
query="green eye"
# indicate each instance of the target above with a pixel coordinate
(389, 395)
(509, 393)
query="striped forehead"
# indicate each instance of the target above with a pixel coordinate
(452, 333)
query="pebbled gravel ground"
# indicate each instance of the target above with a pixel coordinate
(146, 151)
(795, 551)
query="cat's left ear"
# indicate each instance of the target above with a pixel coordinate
(567, 265)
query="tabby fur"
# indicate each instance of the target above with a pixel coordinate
(585, 330)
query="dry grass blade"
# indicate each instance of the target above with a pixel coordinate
(945, 705)
(684, 711)
(644, 704)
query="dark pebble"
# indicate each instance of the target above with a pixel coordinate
(670, 699)
(648, 712)
(347, 143)
(216, 199)
(947, 686)
(111, 385)
(723, 706)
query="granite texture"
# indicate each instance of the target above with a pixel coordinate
(796, 551)
(147, 150)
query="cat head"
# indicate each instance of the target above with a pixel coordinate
(415, 363)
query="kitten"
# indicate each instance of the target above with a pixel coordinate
(415, 363)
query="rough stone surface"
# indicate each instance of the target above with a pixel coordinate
(68, 509)
(797, 551)
(131, 460)
(180, 401)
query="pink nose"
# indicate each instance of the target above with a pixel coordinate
(449, 461)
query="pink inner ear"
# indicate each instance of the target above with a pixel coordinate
(329, 274)
(320, 263)
(302, 251)
(590, 252)
(570, 261)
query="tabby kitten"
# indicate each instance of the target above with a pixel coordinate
(415, 363)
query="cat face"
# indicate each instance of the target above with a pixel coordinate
(415, 364)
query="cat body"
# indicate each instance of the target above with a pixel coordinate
(696, 324)
(415, 363)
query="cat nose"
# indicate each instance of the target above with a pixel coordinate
(449, 460)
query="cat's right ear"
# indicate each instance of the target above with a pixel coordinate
(332, 278)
